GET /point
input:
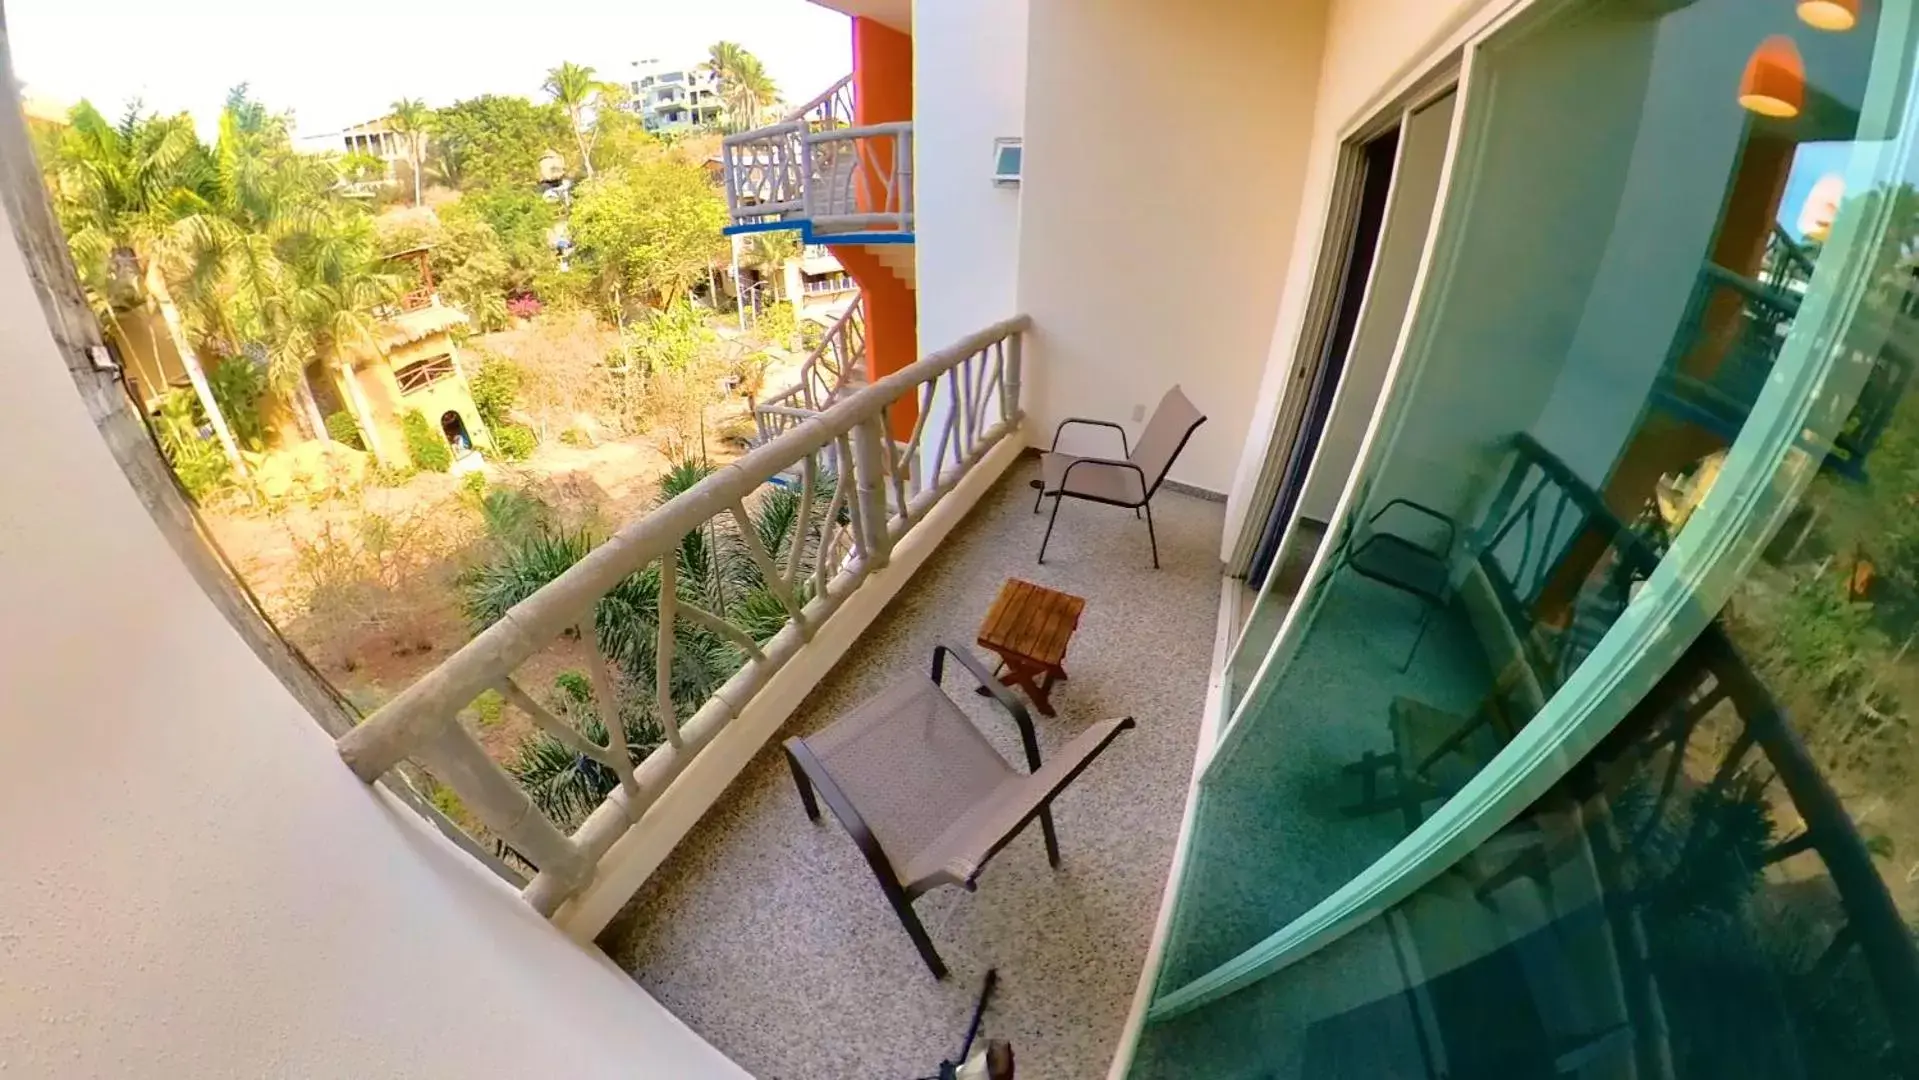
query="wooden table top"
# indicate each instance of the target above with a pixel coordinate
(1031, 621)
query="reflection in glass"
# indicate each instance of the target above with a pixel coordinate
(1727, 886)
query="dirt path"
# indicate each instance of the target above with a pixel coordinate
(367, 586)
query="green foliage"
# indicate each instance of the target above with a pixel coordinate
(197, 459)
(512, 516)
(495, 387)
(649, 230)
(670, 341)
(425, 446)
(713, 570)
(240, 390)
(473, 487)
(746, 90)
(495, 141)
(489, 708)
(575, 685)
(447, 802)
(360, 167)
(514, 442)
(391, 476)
(521, 220)
(777, 326)
(343, 429)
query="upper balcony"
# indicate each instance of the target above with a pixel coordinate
(816, 172)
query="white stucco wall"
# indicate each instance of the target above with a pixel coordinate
(1368, 46)
(969, 88)
(192, 883)
(1165, 153)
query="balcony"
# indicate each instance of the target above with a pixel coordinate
(816, 172)
(764, 930)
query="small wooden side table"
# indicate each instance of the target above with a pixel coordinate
(1028, 628)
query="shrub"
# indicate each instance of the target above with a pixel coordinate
(489, 708)
(495, 387)
(524, 307)
(513, 442)
(425, 446)
(473, 486)
(240, 389)
(343, 429)
(197, 459)
(391, 476)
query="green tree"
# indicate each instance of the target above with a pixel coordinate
(411, 119)
(121, 192)
(495, 141)
(649, 231)
(521, 220)
(746, 90)
(575, 90)
(712, 570)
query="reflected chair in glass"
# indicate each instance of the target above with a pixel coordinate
(1127, 482)
(925, 796)
(1420, 570)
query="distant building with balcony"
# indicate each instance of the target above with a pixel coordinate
(814, 282)
(379, 139)
(674, 99)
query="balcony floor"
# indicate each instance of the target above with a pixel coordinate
(768, 935)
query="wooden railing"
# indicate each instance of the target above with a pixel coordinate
(862, 493)
(839, 357)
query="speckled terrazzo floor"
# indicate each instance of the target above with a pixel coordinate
(768, 935)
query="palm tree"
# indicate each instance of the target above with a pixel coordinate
(712, 570)
(573, 86)
(276, 264)
(746, 90)
(410, 118)
(120, 190)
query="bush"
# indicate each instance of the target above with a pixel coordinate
(495, 387)
(523, 307)
(425, 446)
(513, 442)
(342, 429)
(197, 458)
(473, 486)
(391, 476)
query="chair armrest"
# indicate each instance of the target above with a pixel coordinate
(1452, 527)
(1123, 448)
(958, 855)
(801, 755)
(1029, 740)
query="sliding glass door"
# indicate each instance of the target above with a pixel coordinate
(1585, 750)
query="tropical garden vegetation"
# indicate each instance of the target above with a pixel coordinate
(264, 263)
(590, 291)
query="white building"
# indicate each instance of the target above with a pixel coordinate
(674, 98)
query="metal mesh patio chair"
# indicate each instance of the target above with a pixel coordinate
(1127, 482)
(924, 795)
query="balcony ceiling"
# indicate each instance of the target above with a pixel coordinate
(897, 14)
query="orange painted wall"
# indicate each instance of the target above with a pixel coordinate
(883, 92)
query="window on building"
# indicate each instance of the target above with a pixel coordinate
(422, 374)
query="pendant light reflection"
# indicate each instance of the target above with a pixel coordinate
(1775, 81)
(1835, 15)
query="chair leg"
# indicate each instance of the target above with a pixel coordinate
(1044, 540)
(806, 790)
(1039, 486)
(1151, 536)
(1425, 616)
(917, 931)
(1052, 838)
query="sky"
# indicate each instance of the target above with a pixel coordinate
(340, 62)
